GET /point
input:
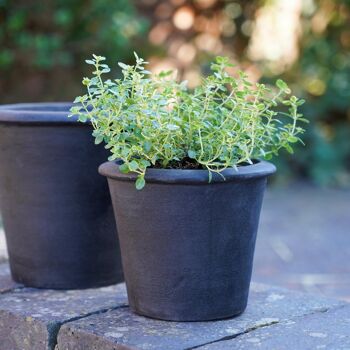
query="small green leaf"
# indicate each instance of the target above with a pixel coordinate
(98, 139)
(145, 163)
(210, 176)
(293, 139)
(133, 165)
(294, 99)
(147, 146)
(191, 154)
(172, 127)
(140, 182)
(98, 58)
(288, 148)
(90, 62)
(83, 117)
(74, 110)
(123, 168)
(86, 81)
(122, 65)
(282, 85)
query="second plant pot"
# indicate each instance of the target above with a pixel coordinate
(187, 245)
(56, 208)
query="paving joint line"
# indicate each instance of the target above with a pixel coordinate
(268, 324)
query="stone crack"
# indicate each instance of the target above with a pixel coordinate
(229, 337)
(264, 325)
(54, 327)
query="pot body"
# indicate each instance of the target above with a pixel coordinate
(56, 208)
(187, 245)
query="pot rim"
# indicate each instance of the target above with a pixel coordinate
(189, 176)
(37, 113)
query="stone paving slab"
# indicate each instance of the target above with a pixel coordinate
(303, 240)
(121, 329)
(31, 318)
(329, 330)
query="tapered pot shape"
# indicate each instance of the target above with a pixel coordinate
(56, 208)
(187, 245)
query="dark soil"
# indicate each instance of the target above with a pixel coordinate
(188, 163)
(185, 163)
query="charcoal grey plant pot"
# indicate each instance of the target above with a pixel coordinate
(56, 208)
(187, 245)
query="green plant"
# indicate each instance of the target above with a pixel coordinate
(155, 121)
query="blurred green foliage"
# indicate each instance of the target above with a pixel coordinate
(44, 43)
(322, 77)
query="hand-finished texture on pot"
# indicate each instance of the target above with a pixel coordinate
(187, 245)
(56, 209)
